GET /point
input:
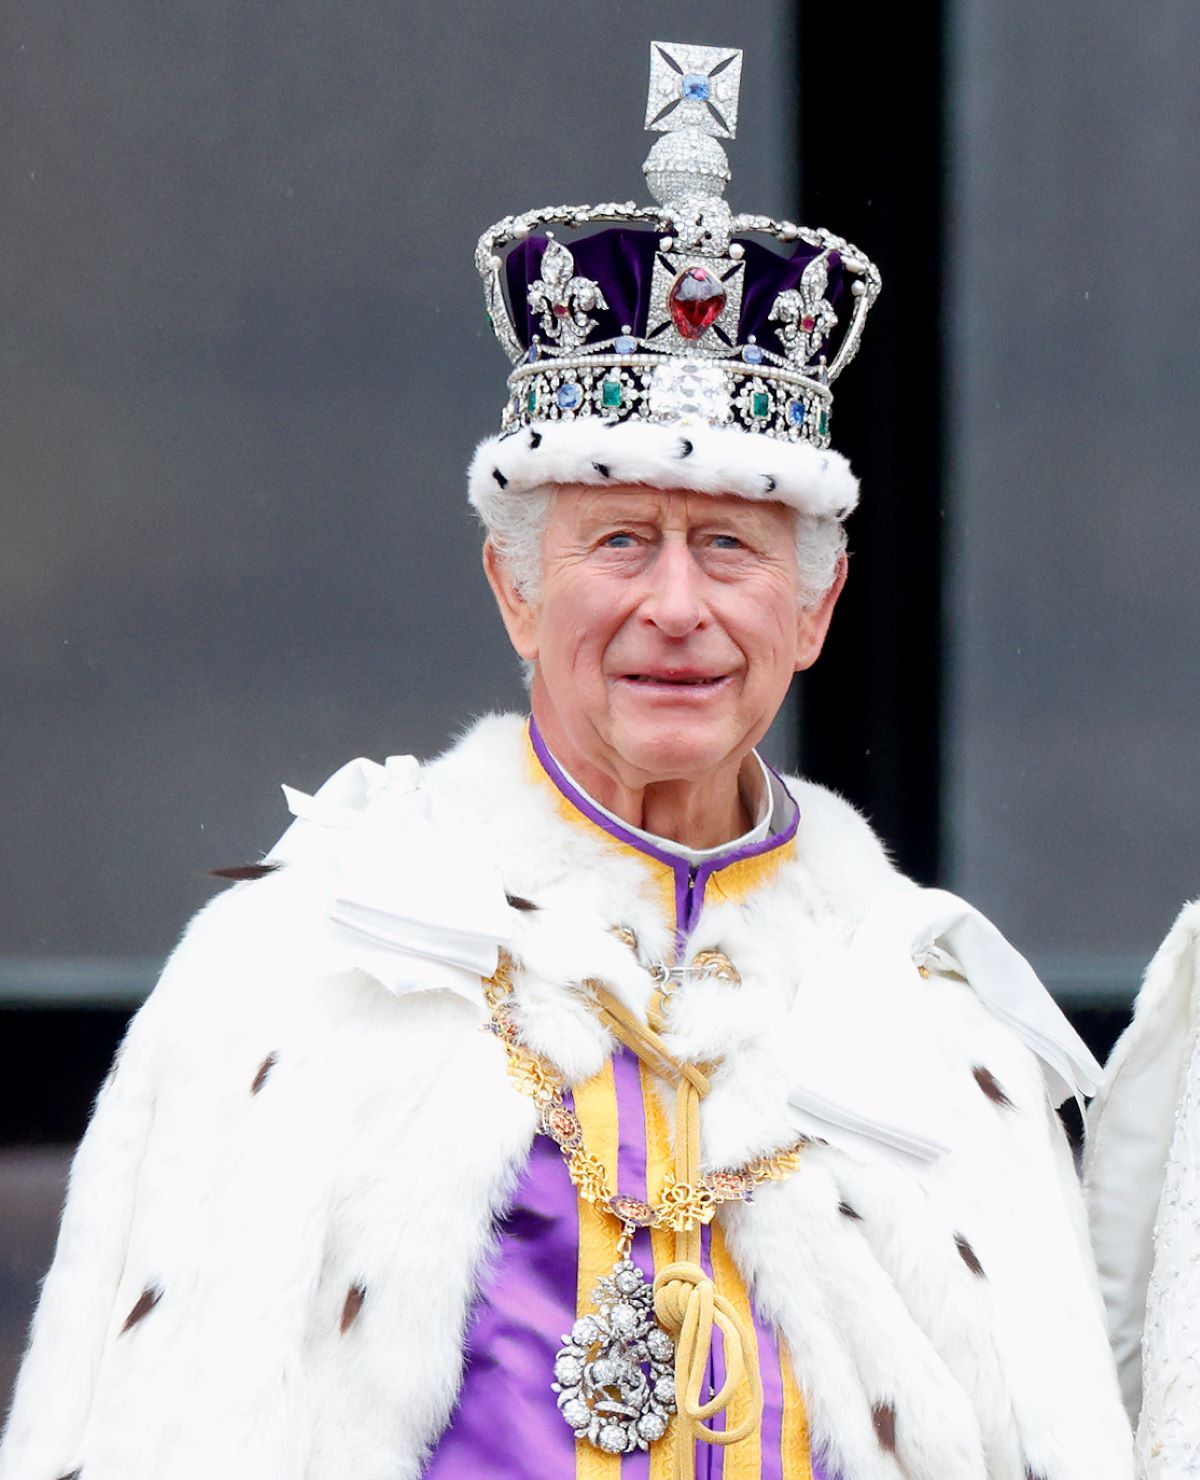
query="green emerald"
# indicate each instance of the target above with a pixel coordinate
(610, 394)
(823, 424)
(760, 404)
(531, 400)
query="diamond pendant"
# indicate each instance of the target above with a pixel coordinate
(614, 1374)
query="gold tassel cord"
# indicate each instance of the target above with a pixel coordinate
(648, 1046)
(686, 1301)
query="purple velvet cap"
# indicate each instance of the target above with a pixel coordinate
(621, 260)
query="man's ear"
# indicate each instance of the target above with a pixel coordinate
(812, 623)
(519, 616)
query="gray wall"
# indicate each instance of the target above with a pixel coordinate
(244, 362)
(1074, 610)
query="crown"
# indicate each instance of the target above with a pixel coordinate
(676, 313)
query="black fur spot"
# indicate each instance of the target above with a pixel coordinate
(517, 903)
(500, 478)
(353, 1304)
(145, 1303)
(848, 1212)
(883, 1416)
(685, 447)
(535, 439)
(264, 1070)
(770, 483)
(968, 1255)
(991, 1087)
(243, 871)
(602, 469)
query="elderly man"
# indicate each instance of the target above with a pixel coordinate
(756, 1171)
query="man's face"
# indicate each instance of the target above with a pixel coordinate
(667, 629)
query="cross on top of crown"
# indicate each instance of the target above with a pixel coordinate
(693, 87)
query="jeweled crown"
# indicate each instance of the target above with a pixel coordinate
(675, 313)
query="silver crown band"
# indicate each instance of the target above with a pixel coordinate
(671, 390)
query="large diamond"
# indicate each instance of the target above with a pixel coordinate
(689, 391)
(612, 1439)
(695, 301)
(584, 1331)
(651, 1426)
(577, 1413)
(625, 1320)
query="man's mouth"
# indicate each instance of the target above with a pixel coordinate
(682, 681)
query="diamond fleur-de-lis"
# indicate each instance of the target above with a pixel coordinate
(564, 300)
(805, 315)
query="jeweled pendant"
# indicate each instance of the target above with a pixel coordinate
(614, 1373)
(695, 302)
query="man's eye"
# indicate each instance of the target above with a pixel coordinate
(622, 540)
(726, 542)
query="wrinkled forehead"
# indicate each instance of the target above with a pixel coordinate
(579, 505)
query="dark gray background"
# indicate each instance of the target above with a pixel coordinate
(245, 364)
(1073, 813)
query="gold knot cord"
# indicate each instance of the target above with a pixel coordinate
(686, 1301)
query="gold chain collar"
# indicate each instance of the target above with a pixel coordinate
(684, 1205)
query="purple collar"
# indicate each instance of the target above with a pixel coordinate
(691, 880)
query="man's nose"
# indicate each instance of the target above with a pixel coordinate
(675, 602)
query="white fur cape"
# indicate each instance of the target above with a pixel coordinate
(1143, 1191)
(277, 1219)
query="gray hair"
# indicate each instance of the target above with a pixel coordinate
(515, 523)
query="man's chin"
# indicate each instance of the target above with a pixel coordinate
(672, 752)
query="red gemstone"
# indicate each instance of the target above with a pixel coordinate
(696, 301)
(807, 322)
(560, 310)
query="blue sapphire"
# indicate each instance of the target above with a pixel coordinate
(752, 354)
(569, 396)
(625, 344)
(532, 354)
(694, 88)
(795, 413)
